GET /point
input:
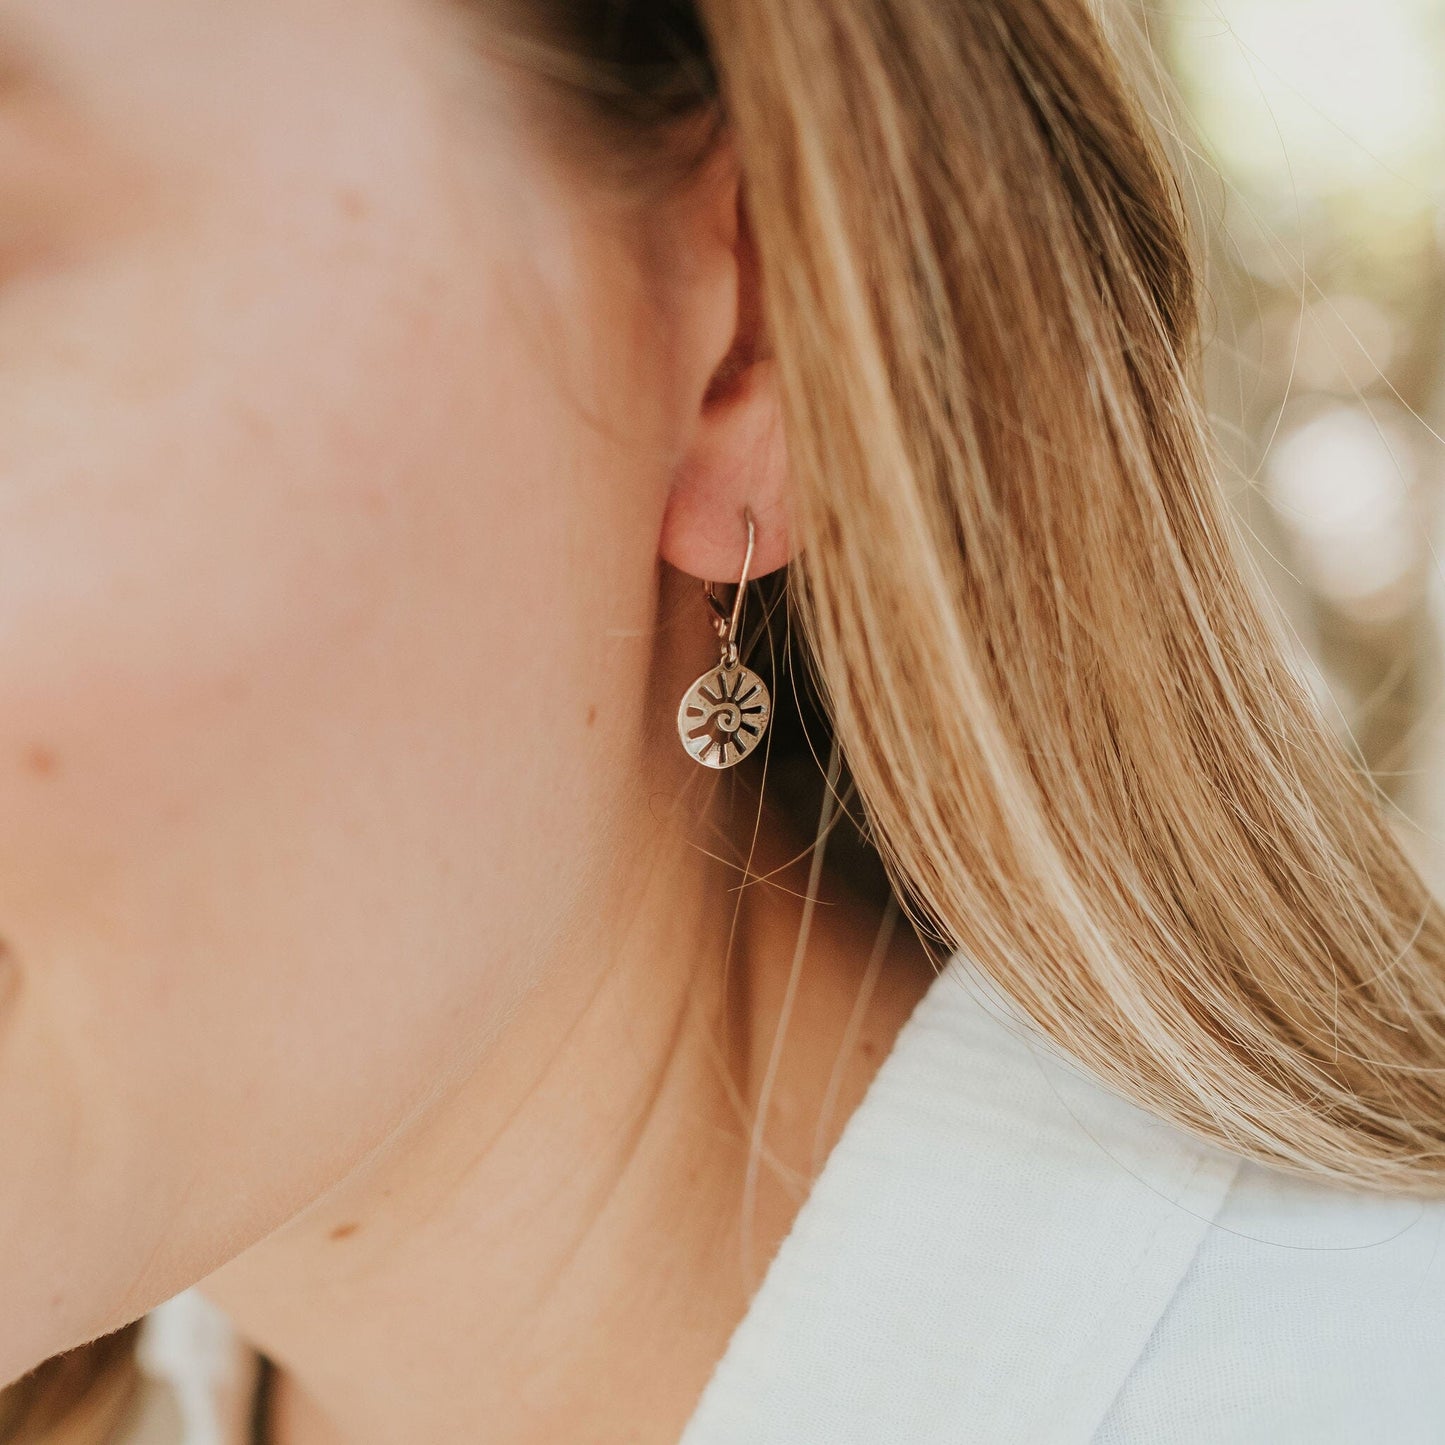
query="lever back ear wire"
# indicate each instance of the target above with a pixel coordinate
(725, 622)
(726, 710)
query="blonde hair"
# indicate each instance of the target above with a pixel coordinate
(1081, 748)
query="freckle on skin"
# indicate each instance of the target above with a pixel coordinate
(352, 203)
(344, 1231)
(592, 714)
(40, 760)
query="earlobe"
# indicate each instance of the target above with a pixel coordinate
(737, 457)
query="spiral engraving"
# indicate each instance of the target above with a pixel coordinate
(723, 716)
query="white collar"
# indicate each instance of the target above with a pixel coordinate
(199, 1377)
(984, 1253)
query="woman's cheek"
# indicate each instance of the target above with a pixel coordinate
(199, 552)
(277, 472)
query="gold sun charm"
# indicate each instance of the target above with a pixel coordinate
(723, 715)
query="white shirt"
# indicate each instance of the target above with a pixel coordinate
(1001, 1251)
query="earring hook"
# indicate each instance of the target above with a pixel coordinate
(725, 622)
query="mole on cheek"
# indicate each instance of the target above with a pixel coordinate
(591, 714)
(344, 1231)
(40, 760)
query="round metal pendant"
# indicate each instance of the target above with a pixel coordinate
(723, 716)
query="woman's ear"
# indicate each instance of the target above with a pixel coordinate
(733, 455)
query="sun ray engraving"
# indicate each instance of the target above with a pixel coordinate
(723, 715)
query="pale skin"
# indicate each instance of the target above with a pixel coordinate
(364, 922)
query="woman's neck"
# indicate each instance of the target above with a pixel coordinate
(560, 1246)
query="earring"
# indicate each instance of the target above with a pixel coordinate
(723, 715)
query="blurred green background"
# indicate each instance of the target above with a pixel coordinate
(1316, 132)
